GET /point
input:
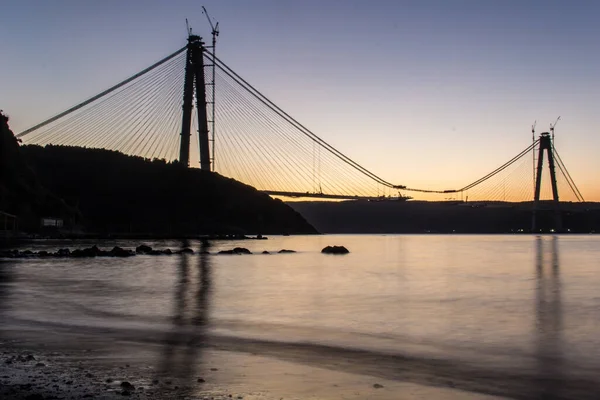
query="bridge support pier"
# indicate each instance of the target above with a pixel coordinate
(546, 145)
(194, 76)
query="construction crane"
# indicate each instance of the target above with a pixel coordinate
(552, 126)
(215, 32)
(214, 28)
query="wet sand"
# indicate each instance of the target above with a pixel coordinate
(46, 364)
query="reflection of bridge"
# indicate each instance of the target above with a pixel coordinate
(242, 134)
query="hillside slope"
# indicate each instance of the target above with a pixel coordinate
(21, 192)
(444, 217)
(116, 193)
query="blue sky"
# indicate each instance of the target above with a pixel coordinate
(427, 93)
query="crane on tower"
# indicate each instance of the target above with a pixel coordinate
(214, 32)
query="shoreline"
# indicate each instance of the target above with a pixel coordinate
(42, 365)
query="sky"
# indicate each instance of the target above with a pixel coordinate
(423, 93)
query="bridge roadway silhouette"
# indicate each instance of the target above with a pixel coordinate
(258, 143)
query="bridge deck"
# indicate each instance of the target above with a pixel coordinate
(330, 196)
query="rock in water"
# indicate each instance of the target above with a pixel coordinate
(63, 252)
(120, 252)
(335, 250)
(286, 251)
(237, 250)
(143, 249)
(127, 386)
(241, 250)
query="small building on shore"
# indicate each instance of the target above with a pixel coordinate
(9, 224)
(52, 223)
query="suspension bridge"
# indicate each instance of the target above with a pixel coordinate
(192, 96)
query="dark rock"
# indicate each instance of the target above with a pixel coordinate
(63, 252)
(43, 253)
(125, 393)
(127, 386)
(120, 252)
(89, 252)
(286, 251)
(237, 250)
(109, 380)
(77, 253)
(265, 252)
(200, 380)
(40, 364)
(214, 369)
(167, 252)
(377, 386)
(335, 250)
(94, 249)
(155, 382)
(143, 249)
(186, 250)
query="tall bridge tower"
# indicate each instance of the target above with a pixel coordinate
(545, 144)
(194, 80)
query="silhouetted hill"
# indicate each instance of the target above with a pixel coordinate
(442, 217)
(21, 192)
(116, 193)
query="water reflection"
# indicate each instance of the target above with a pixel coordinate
(549, 319)
(182, 352)
(6, 279)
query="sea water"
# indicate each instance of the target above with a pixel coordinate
(508, 315)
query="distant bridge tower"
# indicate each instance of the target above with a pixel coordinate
(194, 77)
(546, 144)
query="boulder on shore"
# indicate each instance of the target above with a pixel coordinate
(335, 250)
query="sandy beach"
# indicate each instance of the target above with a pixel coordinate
(37, 365)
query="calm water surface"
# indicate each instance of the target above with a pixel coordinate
(516, 316)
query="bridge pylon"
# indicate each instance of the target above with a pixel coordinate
(545, 144)
(195, 83)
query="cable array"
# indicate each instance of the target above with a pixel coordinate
(258, 143)
(263, 146)
(513, 182)
(140, 116)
